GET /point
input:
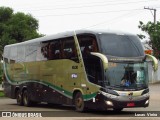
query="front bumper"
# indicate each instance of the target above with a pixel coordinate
(105, 101)
(127, 104)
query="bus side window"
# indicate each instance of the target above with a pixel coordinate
(94, 45)
(58, 50)
(6, 54)
(88, 44)
(31, 53)
(69, 49)
(21, 53)
(86, 51)
(51, 51)
(41, 52)
(13, 56)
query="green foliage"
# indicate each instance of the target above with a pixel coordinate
(2, 94)
(5, 14)
(153, 30)
(16, 27)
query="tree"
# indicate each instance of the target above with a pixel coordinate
(16, 27)
(153, 30)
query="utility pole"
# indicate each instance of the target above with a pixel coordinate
(152, 13)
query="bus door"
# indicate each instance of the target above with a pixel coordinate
(92, 64)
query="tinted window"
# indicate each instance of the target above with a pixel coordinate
(87, 44)
(121, 45)
(50, 50)
(41, 52)
(6, 54)
(69, 49)
(63, 48)
(13, 54)
(21, 53)
(31, 52)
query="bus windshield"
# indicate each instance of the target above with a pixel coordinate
(121, 45)
(127, 75)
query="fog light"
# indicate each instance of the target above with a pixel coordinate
(109, 103)
(147, 102)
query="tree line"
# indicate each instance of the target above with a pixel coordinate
(16, 27)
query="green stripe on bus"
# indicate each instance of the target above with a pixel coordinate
(59, 89)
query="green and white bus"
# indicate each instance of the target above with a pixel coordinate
(89, 69)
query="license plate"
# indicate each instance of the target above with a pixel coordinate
(130, 104)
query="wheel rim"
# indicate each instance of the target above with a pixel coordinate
(25, 99)
(19, 98)
(79, 102)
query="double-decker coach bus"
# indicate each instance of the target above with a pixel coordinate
(87, 69)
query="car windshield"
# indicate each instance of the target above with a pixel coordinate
(127, 76)
(121, 45)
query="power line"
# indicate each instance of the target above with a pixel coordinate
(70, 14)
(84, 6)
(111, 20)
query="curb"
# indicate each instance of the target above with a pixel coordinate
(155, 83)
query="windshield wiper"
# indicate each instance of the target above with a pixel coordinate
(117, 86)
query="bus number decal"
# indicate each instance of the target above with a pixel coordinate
(74, 67)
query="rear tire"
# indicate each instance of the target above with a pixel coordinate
(79, 102)
(19, 98)
(26, 99)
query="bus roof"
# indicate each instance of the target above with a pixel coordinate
(68, 34)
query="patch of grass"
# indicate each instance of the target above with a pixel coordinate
(1, 94)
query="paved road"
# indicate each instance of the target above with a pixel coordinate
(7, 104)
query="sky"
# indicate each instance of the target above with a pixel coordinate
(57, 16)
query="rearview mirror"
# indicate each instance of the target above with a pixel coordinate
(103, 58)
(155, 61)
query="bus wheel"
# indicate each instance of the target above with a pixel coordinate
(26, 99)
(79, 102)
(118, 109)
(19, 98)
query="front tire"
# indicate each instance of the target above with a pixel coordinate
(79, 102)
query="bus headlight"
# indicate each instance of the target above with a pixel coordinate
(109, 103)
(147, 102)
